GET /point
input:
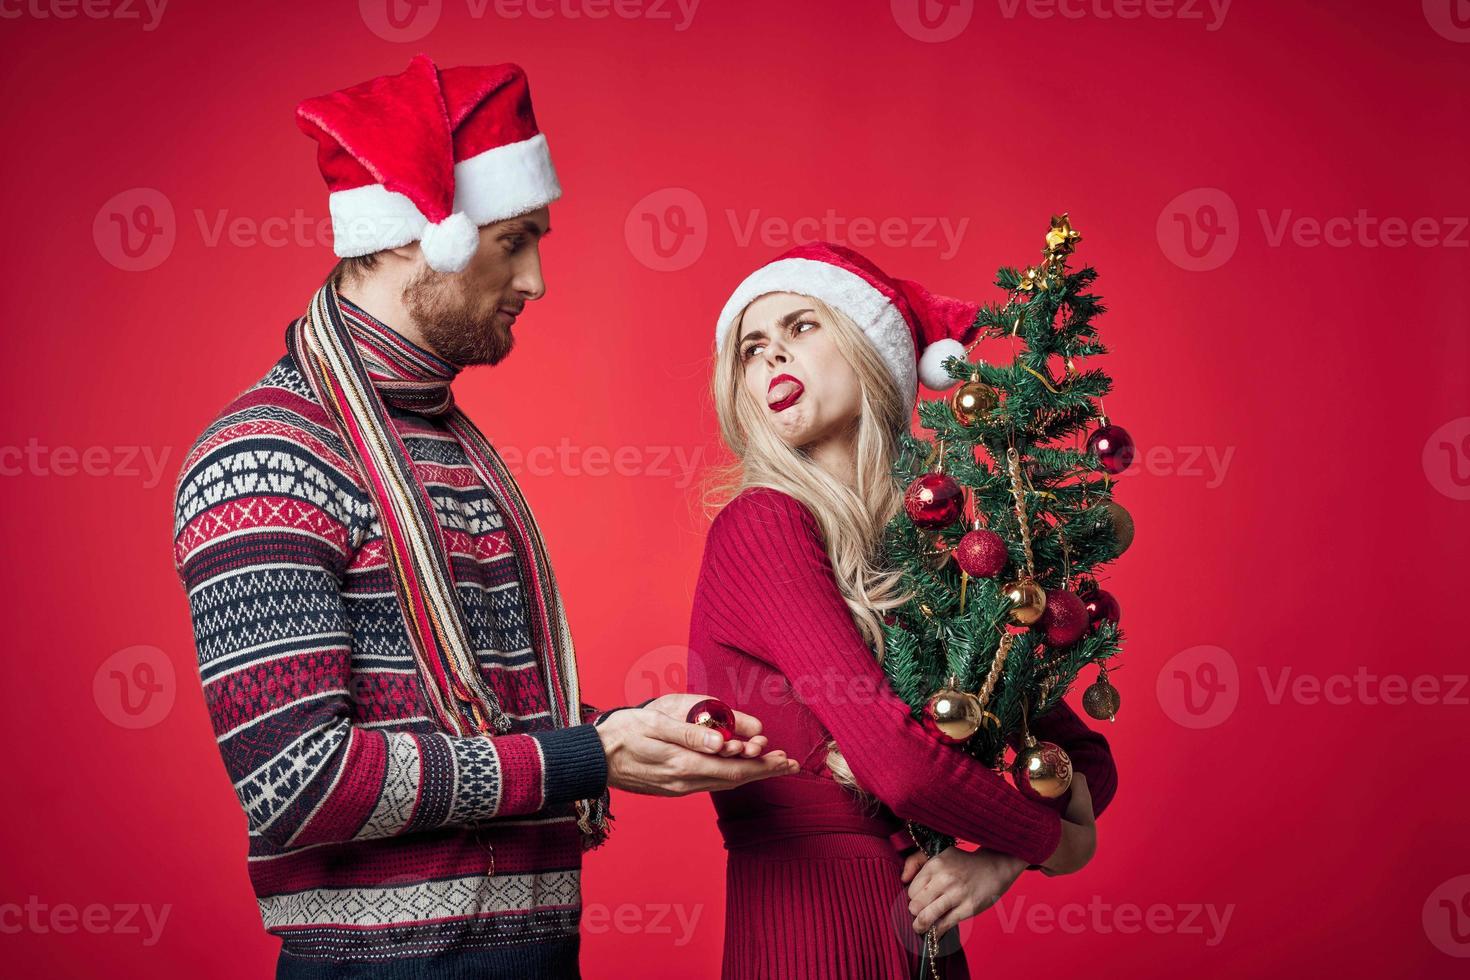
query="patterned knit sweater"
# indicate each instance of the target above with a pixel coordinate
(374, 836)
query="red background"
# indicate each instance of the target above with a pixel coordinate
(1332, 834)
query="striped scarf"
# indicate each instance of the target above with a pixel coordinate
(418, 555)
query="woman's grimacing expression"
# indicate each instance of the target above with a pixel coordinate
(792, 365)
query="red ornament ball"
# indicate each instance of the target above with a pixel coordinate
(1113, 447)
(981, 553)
(714, 714)
(934, 500)
(1101, 605)
(1064, 620)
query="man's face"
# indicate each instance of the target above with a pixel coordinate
(466, 317)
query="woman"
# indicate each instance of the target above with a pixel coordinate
(815, 376)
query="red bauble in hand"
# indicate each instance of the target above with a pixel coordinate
(934, 500)
(1113, 447)
(1064, 620)
(981, 553)
(714, 714)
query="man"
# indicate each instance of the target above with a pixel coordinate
(381, 641)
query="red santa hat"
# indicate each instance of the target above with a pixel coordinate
(429, 155)
(914, 330)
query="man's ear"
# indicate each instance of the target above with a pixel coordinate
(405, 253)
(405, 263)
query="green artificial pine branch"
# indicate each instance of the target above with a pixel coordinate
(1045, 408)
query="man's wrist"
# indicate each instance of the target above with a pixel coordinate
(575, 763)
(599, 719)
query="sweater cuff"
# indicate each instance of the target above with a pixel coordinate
(576, 763)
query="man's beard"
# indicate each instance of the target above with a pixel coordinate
(450, 327)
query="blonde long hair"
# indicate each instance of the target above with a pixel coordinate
(851, 518)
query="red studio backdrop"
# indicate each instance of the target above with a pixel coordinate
(1275, 196)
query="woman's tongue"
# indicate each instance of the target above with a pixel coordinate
(781, 392)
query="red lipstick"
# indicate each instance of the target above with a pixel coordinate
(783, 392)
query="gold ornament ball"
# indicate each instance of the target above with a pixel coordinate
(1028, 601)
(953, 716)
(1122, 524)
(1101, 700)
(1042, 770)
(971, 400)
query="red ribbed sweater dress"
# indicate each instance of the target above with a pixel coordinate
(812, 877)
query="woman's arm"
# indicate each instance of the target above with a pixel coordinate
(1088, 750)
(767, 587)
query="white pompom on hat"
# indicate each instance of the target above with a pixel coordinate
(429, 155)
(913, 329)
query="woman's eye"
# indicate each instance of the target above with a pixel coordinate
(752, 350)
(801, 327)
(511, 244)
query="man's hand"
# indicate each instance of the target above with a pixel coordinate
(748, 741)
(649, 752)
(953, 885)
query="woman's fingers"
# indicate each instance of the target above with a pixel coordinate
(930, 914)
(928, 884)
(911, 866)
(953, 918)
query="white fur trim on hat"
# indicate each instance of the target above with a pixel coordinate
(878, 318)
(506, 181)
(371, 218)
(500, 183)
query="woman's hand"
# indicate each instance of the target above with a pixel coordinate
(1079, 832)
(953, 885)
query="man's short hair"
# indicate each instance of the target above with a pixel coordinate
(352, 267)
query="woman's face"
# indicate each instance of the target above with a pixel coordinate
(791, 364)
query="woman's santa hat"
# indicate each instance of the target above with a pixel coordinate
(429, 155)
(914, 330)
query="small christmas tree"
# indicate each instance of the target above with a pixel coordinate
(1006, 516)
